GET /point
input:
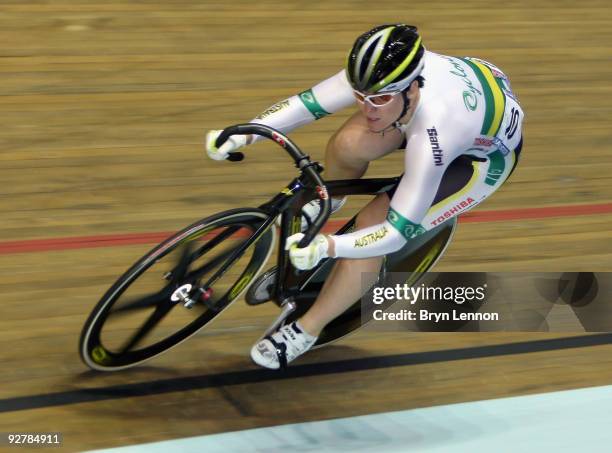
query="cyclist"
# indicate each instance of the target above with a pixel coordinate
(460, 125)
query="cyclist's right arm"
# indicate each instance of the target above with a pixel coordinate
(328, 96)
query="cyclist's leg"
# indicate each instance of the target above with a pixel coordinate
(343, 285)
(347, 156)
(354, 146)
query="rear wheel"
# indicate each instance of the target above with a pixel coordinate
(144, 313)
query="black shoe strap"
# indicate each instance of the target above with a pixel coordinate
(281, 352)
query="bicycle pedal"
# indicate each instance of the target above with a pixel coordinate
(287, 307)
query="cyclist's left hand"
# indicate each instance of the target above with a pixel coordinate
(309, 256)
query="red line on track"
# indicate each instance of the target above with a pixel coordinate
(116, 240)
(537, 213)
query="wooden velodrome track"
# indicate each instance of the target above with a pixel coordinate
(104, 106)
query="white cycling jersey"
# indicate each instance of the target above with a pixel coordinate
(466, 107)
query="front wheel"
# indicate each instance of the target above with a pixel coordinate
(144, 313)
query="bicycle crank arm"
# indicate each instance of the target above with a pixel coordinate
(287, 307)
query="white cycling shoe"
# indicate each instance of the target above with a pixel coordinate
(311, 210)
(282, 347)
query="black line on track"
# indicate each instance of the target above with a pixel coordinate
(315, 369)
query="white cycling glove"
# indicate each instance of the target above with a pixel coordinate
(309, 256)
(234, 143)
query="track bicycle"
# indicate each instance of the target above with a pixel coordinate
(184, 283)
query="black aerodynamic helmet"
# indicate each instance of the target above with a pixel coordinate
(386, 58)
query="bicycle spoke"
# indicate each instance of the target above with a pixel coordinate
(234, 255)
(214, 262)
(217, 240)
(160, 312)
(143, 302)
(183, 264)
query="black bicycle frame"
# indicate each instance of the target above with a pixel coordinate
(288, 203)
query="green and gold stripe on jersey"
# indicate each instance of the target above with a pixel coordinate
(495, 99)
(404, 226)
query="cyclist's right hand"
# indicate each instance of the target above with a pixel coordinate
(234, 143)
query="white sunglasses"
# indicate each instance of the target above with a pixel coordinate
(376, 100)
